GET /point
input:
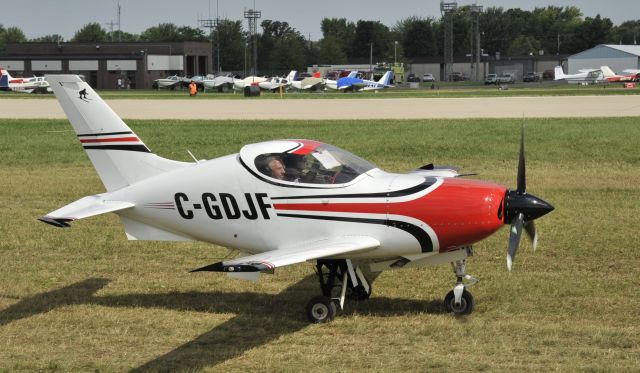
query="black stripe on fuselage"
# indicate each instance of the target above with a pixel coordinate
(105, 134)
(131, 148)
(429, 181)
(426, 245)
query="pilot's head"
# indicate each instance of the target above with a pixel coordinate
(276, 167)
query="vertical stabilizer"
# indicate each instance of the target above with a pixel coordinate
(559, 74)
(607, 72)
(386, 78)
(117, 153)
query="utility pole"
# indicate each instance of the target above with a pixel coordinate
(119, 29)
(371, 60)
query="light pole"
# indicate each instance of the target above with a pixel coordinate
(395, 52)
(371, 60)
(244, 70)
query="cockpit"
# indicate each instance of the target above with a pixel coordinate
(303, 162)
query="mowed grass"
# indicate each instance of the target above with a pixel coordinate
(86, 299)
(444, 90)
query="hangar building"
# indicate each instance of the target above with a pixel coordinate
(617, 57)
(102, 64)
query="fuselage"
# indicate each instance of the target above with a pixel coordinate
(224, 201)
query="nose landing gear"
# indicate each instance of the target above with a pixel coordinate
(459, 300)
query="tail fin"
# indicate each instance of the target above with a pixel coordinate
(559, 74)
(118, 155)
(386, 78)
(606, 71)
(292, 75)
(4, 80)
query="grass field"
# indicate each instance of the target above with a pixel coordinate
(449, 90)
(86, 299)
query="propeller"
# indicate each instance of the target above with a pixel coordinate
(521, 209)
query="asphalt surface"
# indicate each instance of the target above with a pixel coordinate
(397, 108)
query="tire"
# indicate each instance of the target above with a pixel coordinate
(467, 303)
(321, 310)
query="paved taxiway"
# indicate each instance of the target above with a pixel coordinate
(397, 108)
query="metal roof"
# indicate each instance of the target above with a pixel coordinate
(598, 50)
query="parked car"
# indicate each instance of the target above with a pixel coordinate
(491, 79)
(506, 78)
(412, 78)
(428, 78)
(457, 77)
(531, 77)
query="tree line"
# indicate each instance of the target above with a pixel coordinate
(510, 32)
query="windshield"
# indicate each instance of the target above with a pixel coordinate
(325, 164)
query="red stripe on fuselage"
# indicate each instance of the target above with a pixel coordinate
(116, 139)
(307, 147)
(460, 211)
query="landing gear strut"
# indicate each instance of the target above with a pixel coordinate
(459, 300)
(339, 279)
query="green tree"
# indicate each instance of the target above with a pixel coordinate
(53, 38)
(332, 51)
(232, 41)
(342, 34)
(375, 32)
(165, 32)
(626, 33)
(591, 32)
(523, 45)
(281, 48)
(90, 33)
(117, 36)
(418, 37)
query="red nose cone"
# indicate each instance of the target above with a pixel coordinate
(463, 211)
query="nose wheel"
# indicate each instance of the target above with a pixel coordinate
(459, 300)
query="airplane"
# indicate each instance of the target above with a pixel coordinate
(239, 84)
(23, 85)
(274, 84)
(284, 202)
(219, 82)
(309, 84)
(331, 84)
(355, 84)
(612, 77)
(170, 82)
(585, 76)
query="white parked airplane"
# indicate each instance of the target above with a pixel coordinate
(586, 76)
(219, 82)
(239, 84)
(274, 84)
(290, 201)
(23, 85)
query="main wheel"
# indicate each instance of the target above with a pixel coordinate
(466, 306)
(321, 309)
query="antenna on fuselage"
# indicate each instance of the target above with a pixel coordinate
(192, 156)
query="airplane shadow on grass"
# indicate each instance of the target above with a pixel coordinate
(260, 318)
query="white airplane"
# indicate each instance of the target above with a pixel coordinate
(274, 84)
(239, 84)
(331, 84)
(585, 76)
(289, 201)
(23, 85)
(308, 84)
(219, 82)
(168, 82)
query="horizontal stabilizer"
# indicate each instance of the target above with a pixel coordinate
(303, 252)
(84, 208)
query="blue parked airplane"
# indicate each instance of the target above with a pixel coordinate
(356, 84)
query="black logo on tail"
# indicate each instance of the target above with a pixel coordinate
(83, 94)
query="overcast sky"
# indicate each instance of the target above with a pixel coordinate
(65, 17)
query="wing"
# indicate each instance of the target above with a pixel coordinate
(299, 253)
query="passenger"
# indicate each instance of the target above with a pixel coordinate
(294, 166)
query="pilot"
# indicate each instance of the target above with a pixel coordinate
(276, 168)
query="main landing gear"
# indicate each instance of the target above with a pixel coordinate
(339, 279)
(459, 300)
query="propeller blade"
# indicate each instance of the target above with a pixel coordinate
(530, 229)
(514, 238)
(522, 182)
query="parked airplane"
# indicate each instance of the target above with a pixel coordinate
(333, 84)
(274, 84)
(290, 201)
(219, 82)
(356, 84)
(239, 84)
(587, 76)
(170, 82)
(612, 77)
(308, 84)
(23, 85)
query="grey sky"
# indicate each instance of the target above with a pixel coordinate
(65, 17)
